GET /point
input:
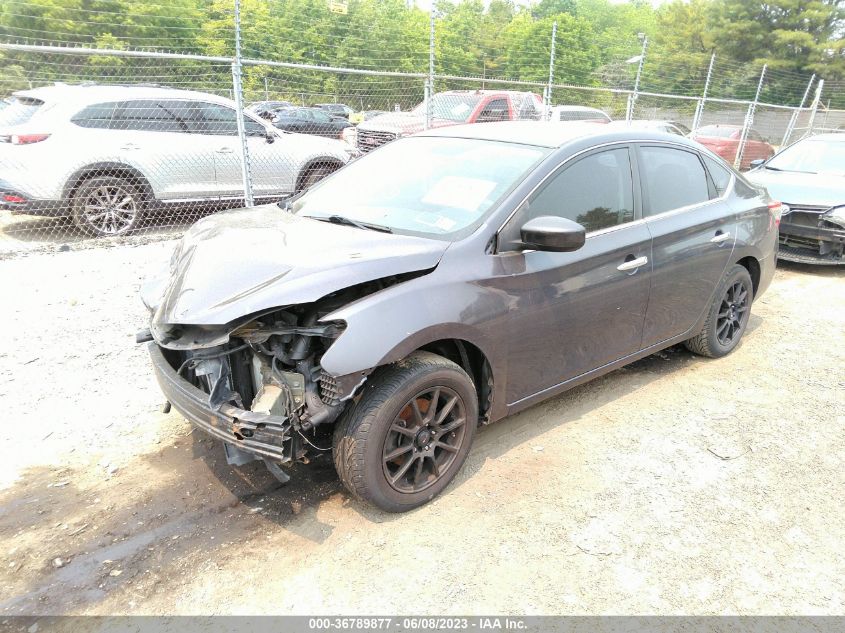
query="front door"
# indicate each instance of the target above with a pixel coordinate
(574, 312)
(693, 234)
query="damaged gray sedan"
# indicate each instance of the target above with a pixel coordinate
(448, 280)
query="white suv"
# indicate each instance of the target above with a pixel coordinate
(106, 156)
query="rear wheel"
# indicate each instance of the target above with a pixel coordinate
(106, 205)
(409, 434)
(728, 316)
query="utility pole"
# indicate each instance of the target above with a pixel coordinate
(794, 118)
(699, 110)
(547, 98)
(815, 107)
(237, 82)
(632, 98)
(749, 120)
(429, 86)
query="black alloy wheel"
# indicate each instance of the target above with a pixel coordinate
(424, 439)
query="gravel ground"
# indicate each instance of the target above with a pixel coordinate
(676, 485)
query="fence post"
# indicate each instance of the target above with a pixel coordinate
(699, 109)
(429, 87)
(792, 120)
(815, 107)
(547, 98)
(239, 107)
(632, 98)
(749, 120)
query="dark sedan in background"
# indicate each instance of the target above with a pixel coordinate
(448, 280)
(809, 178)
(310, 121)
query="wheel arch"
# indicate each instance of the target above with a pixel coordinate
(320, 161)
(473, 361)
(752, 265)
(109, 168)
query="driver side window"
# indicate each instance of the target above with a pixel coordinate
(597, 192)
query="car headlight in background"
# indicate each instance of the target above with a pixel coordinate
(836, 215)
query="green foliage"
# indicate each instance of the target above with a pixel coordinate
(482, 38)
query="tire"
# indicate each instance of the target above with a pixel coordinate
(727, 317)
(384, 423)
(315, 174)
(106, 205)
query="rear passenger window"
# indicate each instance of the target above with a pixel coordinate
(97, 115)
(596, 192)
(672, 178)
(147, 116)
(720, 175)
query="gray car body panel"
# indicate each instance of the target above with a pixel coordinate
(804, 190)
(238, 263)
(543, 321)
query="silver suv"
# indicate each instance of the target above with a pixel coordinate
(107, 156)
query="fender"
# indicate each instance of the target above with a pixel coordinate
(380, 329)
(99, 168)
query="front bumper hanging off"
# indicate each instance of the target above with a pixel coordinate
(263, 434)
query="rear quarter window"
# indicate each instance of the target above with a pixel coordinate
(719, 174)
(19, 110)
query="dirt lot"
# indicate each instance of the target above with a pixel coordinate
(677, 485)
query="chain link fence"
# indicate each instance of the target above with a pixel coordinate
(104, 144)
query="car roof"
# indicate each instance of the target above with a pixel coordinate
(552, 135)
(88, 93)
(577, 108)
(485, 93)
(727, 126)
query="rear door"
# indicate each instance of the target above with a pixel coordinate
(693, 231)
(154, 135)
(575, 312)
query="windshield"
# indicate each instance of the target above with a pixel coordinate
(454, 107)
(812, 157)
(427, 186)
(19, 110)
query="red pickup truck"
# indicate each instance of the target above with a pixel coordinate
(453, 107)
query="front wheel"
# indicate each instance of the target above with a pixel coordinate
(409, 434)
(728, 316)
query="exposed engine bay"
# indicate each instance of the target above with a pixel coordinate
(270, 364)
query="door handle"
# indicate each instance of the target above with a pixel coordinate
(225, 150)
(632, 264)
(720, 238)
(130, 146)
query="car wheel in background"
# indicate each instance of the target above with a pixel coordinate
(106, 205)
(314, 175)
(727, 317)
(409, 434)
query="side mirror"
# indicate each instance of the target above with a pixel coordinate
(757, 163)
(552, 233)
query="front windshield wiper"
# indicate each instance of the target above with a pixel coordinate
(340, 219)
(794, 171)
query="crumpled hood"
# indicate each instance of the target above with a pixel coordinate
(402, 123)
(812, 190)
(237, 263)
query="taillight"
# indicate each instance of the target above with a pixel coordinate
(27, 139)
(778, 210)
(10, 197)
